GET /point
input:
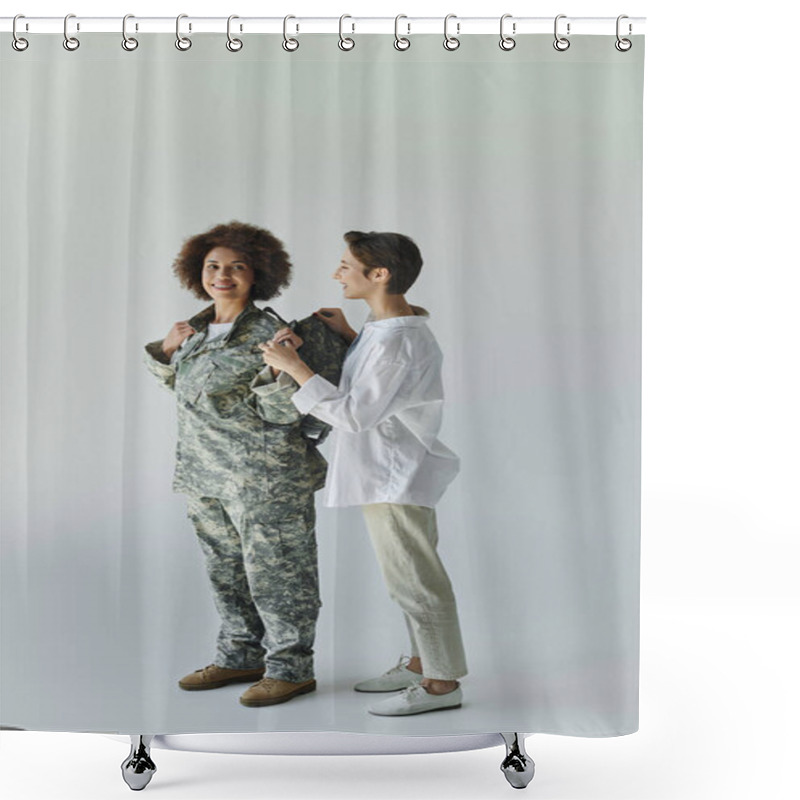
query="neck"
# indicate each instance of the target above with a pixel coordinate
(386, 306)
(228, 311)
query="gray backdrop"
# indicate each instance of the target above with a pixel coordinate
(519, 176)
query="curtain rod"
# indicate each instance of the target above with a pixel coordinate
(349, 24)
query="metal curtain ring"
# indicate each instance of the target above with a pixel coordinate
(561, 43)
(182, 42)
(345, 42)
(401, 43)
(70, 42)
(234, 45)
(18, 43)
(289, 44)
(128, 42)
(623, 45)
(507, 42)
(451, 42)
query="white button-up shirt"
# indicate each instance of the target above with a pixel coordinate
(386, 414)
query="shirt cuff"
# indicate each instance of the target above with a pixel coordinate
(312, 392)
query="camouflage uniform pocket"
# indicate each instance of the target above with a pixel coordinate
(228, 384)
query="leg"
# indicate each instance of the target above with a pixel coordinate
(404, 538)
(518, 766)
(138, 768)
(239, 640)
(280, 558)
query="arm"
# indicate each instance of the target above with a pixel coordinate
(159, 354)
(158, 363)
(323, 352)
(271, 398)
(381, 392)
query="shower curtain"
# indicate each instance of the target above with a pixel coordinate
(518, 175)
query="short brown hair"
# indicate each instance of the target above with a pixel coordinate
(258, 248)
(396, 252)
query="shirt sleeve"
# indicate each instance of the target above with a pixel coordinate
(156, 361)
(381, 392)
(272, 398)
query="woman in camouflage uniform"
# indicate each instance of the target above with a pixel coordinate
(249, 468)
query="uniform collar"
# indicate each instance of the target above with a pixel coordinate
(201, 321)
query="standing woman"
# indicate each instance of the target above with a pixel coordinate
(249, 469)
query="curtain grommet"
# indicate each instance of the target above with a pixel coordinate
(345, 42)
(289, 44)
(233, 44)
(183, 43)
(622, 44)
(561, 43)
(70, 43)
(507, 42)
(451, 43)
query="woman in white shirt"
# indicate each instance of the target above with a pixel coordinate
(386, 457)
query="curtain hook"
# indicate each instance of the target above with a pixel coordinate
(451, 42)
(18, 43)
(401, 43)
(289, 44)
(623, 45)
(561, 43)
(345, 42)
(128, 42)
(507, 42)
(234, 45)
(70, 42)
(182, 42)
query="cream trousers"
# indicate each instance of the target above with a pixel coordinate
(404, 538)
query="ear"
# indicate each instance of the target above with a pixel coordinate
(380, 274)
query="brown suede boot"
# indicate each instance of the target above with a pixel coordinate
(271, 691)
(212, 677)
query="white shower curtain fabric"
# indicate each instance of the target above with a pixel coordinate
(518, 175)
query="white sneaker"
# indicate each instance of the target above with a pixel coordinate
(398, 677)
(416, 700)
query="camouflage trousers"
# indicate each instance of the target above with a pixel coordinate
(263, 571)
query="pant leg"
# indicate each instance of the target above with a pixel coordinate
(404, 538)
(239, 642)
(412, 637)
(280, 558)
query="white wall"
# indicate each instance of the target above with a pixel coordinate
(720, 428)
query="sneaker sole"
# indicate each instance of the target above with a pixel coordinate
(383, 691)
(199, 687)
(274, 701)
(414, 713)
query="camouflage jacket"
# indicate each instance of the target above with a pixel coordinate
(238, 431)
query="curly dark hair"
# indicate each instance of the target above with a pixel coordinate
(259, 248)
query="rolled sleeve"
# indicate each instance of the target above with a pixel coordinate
(273, 397)
(157, 362)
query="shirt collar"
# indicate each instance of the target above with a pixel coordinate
(417, 321)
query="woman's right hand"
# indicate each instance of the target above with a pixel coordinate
(179, 332)
(334, 318)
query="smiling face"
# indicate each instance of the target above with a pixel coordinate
(355, 284)
(227, 276)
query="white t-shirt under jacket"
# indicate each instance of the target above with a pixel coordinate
(386, 414)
